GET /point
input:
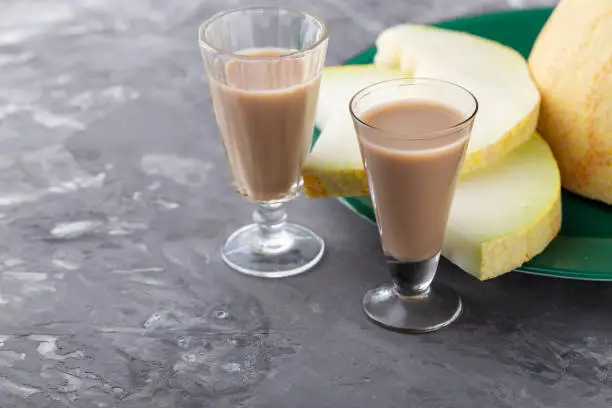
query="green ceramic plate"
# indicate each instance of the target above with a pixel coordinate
(583, 249)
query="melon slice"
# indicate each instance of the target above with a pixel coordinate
(334, 168)
(338, 148)
(502, 215)
(340, 83)
(571, 62)
(497, 75)
(505, 214)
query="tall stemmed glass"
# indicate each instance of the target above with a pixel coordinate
(264, 69)
(413, 134)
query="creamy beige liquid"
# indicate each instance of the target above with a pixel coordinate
(265, 113)
(412, 181)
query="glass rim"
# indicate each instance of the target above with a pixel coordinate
(431, 135)
(294, 54)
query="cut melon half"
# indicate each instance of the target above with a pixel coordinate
(571, 62)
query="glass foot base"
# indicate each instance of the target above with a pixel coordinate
(419, 314)
(297, 250)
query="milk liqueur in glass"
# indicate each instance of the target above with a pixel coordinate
(264, 69)
(413, 134)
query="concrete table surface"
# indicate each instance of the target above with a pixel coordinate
(115, 197)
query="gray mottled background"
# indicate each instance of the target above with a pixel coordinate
(114, 200)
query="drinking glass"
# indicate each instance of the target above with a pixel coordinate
(412, 218)
(264, 69)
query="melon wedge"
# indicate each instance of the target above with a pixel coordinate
(334, 168)
(497, 75)
(340, 83)
(500, 108)
(502, 215)
(505, 214)
(337, 148)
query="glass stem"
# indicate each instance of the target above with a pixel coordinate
(272, 238)
(412, 279)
